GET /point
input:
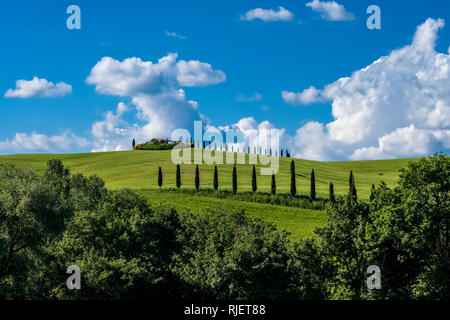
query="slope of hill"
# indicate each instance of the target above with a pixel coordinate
(138, 170)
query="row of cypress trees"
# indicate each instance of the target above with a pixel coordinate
(293, 190)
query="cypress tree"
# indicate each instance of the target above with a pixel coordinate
(372, 193)
(234, 179)
(312, 192)
(281, 153)
(178, 176)
(216, 178)
(254, 185)
(350, 183)
(293, 182)
(274, 184)
(351, 186)
(332, 197)
(160, 178)
(197, 178)
(134, 143)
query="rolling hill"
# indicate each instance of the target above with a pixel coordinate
(138, 170)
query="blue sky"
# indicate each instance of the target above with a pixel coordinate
(259, 59)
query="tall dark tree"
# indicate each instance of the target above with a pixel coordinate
(288, 155)
(234, 179)
(372, 193)
(281, 153)
(312, 192)
(332, 197)
(197, 178)
(160, 177)
(134, 143)
(351, 186)
(293, 182)
(216, 178)
(178, 176)
(274, 185)
(254, 185)
(351, 182)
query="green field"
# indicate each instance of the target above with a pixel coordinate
(138, 170)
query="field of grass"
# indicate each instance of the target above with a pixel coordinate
(299, 222)
(138, 170)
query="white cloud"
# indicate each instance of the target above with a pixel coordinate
(175, 35)
(397, 106)
(308, 96)
(330, 10)
(405, 142)
(242, 97)
(258, 134)
(24, 142)
(268, 15)
(133, 76)
(155, 92)
(38, 88)
(197, 74)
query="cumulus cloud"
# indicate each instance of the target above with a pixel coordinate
(268, 15)
(307, 96)
(156, 95)
(330, 10)
(38, 88)
(397, 106)
(258, 135)
(36, 142)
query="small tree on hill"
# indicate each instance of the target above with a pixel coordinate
(134, 143)
(178, 176)
(293, 182)
(197, 178)
(281, 153)
(372, 193)
(160, 177)
(351, 186)
(332, 197)
(312, 192)
(254, 185)
(234, 179)
(216, 178)
(274, 185)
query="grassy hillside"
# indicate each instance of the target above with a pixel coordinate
(138, 170)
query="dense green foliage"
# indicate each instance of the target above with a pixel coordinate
(127, 248)
(154, 146)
